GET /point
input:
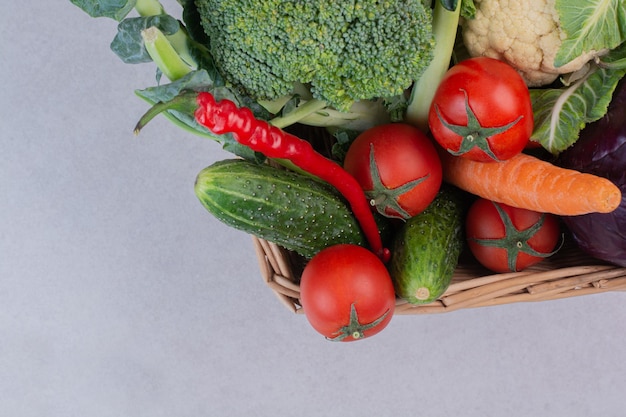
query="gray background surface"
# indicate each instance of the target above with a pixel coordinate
(121, 296)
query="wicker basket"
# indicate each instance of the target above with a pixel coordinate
(568, 273)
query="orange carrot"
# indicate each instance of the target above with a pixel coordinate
(527, 182)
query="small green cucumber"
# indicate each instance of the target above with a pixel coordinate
(295, 211)
(426, 250)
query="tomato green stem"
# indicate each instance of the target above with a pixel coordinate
(473, 134)
(515, 241)
(355, 329)
(386, 199)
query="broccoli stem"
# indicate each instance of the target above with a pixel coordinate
(314, 112)
(445, 25)
(178, 40)
(301, 112)
(149, 7)
(274, 106)
(163, 54)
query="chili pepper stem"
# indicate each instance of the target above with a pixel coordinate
(184, 102)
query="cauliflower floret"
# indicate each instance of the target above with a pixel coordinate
(524, 33)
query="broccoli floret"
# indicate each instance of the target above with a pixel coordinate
(345, 51)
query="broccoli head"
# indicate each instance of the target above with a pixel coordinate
(345, 51)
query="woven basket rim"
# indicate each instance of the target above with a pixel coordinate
(569, 273)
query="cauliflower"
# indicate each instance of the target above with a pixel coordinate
(524, 33)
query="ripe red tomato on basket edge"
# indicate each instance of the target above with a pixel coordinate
(507, 239)
(398, 168)
(347, 293)
(482, 110)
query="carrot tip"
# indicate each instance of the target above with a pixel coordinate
(613, 200)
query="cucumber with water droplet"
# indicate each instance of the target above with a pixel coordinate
(295, 211)
(426, 250)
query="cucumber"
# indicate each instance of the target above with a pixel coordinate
(295, 211)
(426, 249)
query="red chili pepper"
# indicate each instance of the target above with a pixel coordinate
(225, 117)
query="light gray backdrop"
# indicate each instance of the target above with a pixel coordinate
(120, 296)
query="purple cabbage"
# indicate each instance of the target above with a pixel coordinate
(601, 150)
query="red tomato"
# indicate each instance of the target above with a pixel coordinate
(398, 167)
(347, 293)
(508, 239)
(482, 110)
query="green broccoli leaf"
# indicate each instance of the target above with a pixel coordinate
(128, 43)
(561, 113)
(468, 9)
(344, 139)
(114, 9)
(191, 18)
(590, 25)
